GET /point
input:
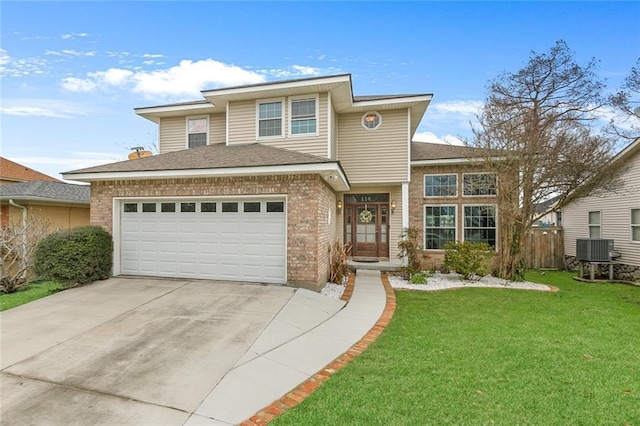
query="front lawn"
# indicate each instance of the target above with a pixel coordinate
(32, 291)
(494, 356)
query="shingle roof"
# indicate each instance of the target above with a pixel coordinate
(436, 151)
(218, 156)
(45, 190)
(362, 98)
(10, 170)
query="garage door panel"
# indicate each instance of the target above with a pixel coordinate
(213, 245)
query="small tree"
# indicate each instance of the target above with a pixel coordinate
(626, 102)
(536, 134)
(19, 240)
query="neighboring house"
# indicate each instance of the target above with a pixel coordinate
(254, 183)
(551, 217)
(614, 215)
(11, 172)
(61, 205)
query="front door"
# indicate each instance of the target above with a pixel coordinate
(366, 218)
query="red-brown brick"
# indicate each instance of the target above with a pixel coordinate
(310, 212)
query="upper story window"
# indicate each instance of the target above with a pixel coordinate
(371, 120)
(440, 185)
(304, 118)
(197, 131)
(635, 225)
(479, 184)
(270, 119)
(594, 224)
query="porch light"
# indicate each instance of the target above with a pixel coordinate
(339, 206)
(393, 206)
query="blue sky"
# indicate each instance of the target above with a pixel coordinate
(72, 72)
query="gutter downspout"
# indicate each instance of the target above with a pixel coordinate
(24, 235)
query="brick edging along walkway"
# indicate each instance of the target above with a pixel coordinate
(306, 388)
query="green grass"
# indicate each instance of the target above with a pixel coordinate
(494, 356)
(32, 291)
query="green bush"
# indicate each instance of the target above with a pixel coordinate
(469, 259)
(75, 256)
(419, 278)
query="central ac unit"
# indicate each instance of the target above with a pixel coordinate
(594, 250)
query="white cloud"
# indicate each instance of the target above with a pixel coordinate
(71, 36)
(466, 108)
(23, 67)
(149, 55)
(74, 84)
(42, 108)
(68, 52)
(296, 71)
(433, 138)
(186, 79)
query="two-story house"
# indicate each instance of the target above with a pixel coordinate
(253, 183)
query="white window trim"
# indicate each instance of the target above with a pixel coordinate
(315, 97)
(368, 128)
(424, 224)
(631, 225)
(497, 219)
(479, 173)
(424, 184)
(594, 225)
(186, 125)
(283, 118)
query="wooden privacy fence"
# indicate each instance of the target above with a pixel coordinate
(544, 248)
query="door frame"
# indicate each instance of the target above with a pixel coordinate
(382, 217)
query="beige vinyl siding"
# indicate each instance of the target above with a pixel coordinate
(173, 134)
(333, 135)
(615, 217)
(242, 128)
(242, 122)
(217, 128)
(395, 219)
(370, 156)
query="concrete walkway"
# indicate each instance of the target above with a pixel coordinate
(281, 358)
(176, 352)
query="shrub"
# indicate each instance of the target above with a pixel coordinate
(419, 278)
(469, 259)
(339, 269)
(411, 252)
(18, 242)
(75, 256)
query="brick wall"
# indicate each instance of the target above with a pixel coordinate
(308, 200)
(418, 201)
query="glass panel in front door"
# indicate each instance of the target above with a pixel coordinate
(366, 228)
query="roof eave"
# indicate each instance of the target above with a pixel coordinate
(459, 160)
(331, 172)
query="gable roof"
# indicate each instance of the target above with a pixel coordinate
(13, 171)
(436, 153)
(217, 160)
(339, 86)
(41, 190)
(617, 161)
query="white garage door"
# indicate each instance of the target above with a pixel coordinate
(238, 240)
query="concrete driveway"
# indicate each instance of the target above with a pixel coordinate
(128, 350)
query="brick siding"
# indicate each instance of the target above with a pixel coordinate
(309, 200)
